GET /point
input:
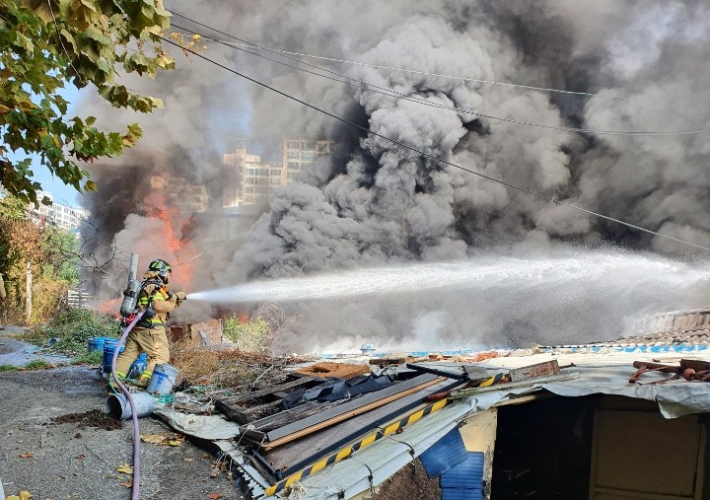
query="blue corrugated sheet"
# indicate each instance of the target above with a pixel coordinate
(447, 452)
(454, 494)
(466, 475)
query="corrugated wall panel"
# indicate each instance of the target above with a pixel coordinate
(466, 475)
(446, 453)
(454, 494)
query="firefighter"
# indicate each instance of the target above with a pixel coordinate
(149, 334)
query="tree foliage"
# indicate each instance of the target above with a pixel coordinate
(45, 44)
(52, 252)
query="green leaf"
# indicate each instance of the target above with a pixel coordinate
(69, 39)
(104, 66)
(24, 42)
(96, 35)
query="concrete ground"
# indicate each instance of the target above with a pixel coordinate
(17, 353)
(67, 462)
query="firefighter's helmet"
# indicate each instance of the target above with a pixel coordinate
(162, 269)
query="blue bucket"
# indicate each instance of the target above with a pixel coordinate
(109, 349)
(95, 344)
(163, 380)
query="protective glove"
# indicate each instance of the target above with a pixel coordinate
(180, 296)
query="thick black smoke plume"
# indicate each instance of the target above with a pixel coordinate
(373, 203)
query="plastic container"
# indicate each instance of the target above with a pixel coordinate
(109, 349)
(138, 367)
(163, 380)
(95, 344)
(118, 406)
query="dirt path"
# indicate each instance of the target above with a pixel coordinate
(75, 457)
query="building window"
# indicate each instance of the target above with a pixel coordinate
(264, 172)
(275, 181)
(249, 189)
(294, 165)
(249, 171)
(249, 197)
(292, 175)
(293, 145)
(293, 155)
(276, 173)
(311, 146)
(308, 156)
(250, 180)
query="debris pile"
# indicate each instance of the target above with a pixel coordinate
(221, 368)
(293, 423)
(688, 369)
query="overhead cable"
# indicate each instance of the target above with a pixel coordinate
(393, 93)
(418, 72)
(436, 158)
(440, 75)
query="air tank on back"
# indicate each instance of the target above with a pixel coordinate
(130, 295)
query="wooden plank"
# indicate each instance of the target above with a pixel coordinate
(345, 416)
(291, 415)
(265, 406)
(256, 431)
(347, 406)
(295, 455)
(269, 390)
(546, 369)
(231, 413)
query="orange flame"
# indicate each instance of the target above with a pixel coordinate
(174, 236)
(110, 307)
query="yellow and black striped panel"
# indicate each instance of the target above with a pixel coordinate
(359, 445)
(491, 381)
(368, 440)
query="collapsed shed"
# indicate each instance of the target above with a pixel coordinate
(610, 421)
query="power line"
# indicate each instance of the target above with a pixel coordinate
(59, 37)
(425, 73)
(393, 93)
(435, 158)
(450, 77)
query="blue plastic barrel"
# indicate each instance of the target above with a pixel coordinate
(163, 380)
(95, 344)
(109, 349)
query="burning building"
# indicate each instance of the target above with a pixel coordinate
(177, 192)
(300, 154)
(254, 181)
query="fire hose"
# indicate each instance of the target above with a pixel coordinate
(134, 416)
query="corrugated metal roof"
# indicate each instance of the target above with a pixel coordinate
(597, 374)
(466, 475)
(454, 494)
(447, 453)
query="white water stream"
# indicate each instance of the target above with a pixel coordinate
(567, 295)
(610, 271)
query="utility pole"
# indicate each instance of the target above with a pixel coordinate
(28, 302)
